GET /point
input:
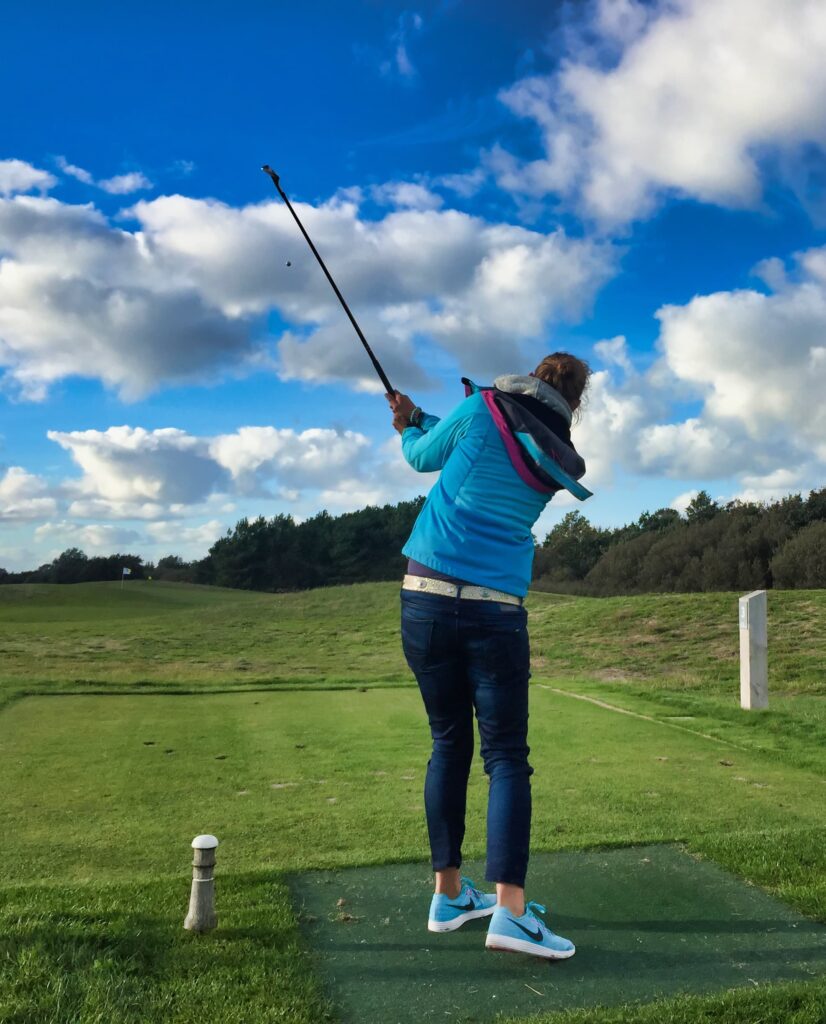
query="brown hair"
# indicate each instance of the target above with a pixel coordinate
(567, 374)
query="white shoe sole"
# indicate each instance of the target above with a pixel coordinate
(506, 944)
(457, 922)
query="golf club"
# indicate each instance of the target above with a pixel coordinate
(382, 375)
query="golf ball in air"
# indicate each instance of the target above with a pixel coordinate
(288, 263)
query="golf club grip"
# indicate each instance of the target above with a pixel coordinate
(377, 365)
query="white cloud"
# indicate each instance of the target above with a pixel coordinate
(755, 366)
(123, 184)
(400, 63)
(134, 465)
(404, 65)
(159, 538)
(183, 298)
(120, 184)
(757, 360)
(183, 167)
(690, 449)
(409, 195)
(157, 475)
(614, 352)
(78, 297)
(95, 536)
(104, 508)
(200, 537)
(772, 272)
(606, 432)
(18, 558)
(333, 354)
(750, 367)
(297, 460)
(351, 495)
(80, 173)
(621, 21)
(480, 290)
(682, 501)
(778, 483)
(18, 176)
(698, 89)
(24, 496)
(465, 184)
(522, 284)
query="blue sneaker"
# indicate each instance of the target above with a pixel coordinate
(446, 915)
(526, 934)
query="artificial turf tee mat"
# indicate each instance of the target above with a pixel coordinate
(648, 922)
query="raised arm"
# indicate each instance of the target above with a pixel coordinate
(427, 445)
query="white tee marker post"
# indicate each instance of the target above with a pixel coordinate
(754, 670)
(202, 916)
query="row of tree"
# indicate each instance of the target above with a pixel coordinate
(264, 554)
(737, 546)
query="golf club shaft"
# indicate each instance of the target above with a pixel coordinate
(382, 375)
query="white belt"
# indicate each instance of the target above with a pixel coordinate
(426, 585)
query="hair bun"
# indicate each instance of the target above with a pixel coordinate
(567, 374)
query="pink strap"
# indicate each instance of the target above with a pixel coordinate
(512, 446)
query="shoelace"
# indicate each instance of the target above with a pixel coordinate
(532, 908)
(473, 890)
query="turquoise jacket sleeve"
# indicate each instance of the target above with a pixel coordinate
(428, 447)
(427, 421)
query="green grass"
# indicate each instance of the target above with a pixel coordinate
(117, 953)
(667, 654)
(177, 637)
(680, 640)
(201, 729)
(783, 1004)
(139, 776)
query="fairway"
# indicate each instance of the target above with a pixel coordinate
(106, 782)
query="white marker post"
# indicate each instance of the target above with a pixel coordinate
(754, 669)
(202, 916)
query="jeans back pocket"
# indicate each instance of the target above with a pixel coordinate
(417, 635)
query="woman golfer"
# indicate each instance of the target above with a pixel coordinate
(502, 453)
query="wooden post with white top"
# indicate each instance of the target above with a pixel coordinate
(754, 669)
(202, 916)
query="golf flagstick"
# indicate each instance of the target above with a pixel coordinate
(377, 365)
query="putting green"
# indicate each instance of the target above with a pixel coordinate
(648, 922)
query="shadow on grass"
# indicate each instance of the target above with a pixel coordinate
(121, 954)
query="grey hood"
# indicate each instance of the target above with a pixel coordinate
(513, 384)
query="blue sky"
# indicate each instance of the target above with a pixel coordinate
(639, 183)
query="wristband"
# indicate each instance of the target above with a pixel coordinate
(416, 417)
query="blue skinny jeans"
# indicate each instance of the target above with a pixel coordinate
(473, 656)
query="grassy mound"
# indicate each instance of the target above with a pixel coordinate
(183, 636)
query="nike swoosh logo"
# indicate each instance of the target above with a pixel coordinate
(468, 906)
(536, 936)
